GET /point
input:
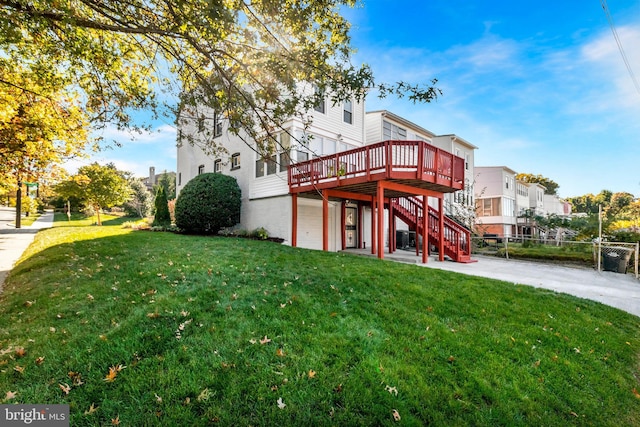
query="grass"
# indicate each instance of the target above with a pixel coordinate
(147, 328)
(578, 253)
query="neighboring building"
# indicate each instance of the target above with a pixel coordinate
(495, 195)
(508, 207)
(322, 185)
(152, 180)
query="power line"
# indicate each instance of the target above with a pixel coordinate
(620, 48)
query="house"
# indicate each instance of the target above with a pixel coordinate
(344, 181)
(507, 207)
(495, 196)
(153, 179)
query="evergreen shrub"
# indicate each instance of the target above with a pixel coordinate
(208, 203)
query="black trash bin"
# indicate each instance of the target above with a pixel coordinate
(402, 239)
(616, 259)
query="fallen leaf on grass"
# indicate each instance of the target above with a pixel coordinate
(115, 421)
(18, 369)
(265, 340)
(40, 360)
(158, 398)
(91, 409)
(12, 395)
(281, 404)
(66, 388)
(396, 415)
(20, 352)
(280, 353)
(204, 395)
(391, 390)
(113, 373)
(636, 394)
(312, 373)
(76, 378)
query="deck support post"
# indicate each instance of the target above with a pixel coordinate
(343, 224)
(294, 219)
(425, 229)
(441, 228)
(373, 225)
(380, 233)
(325, 220)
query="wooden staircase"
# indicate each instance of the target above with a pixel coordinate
(457, 238)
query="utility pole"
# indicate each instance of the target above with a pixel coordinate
(19, 203)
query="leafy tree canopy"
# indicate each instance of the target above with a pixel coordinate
(40, 126)
(551, 187)
(243, 59)
(98, 186)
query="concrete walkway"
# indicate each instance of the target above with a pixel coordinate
(616, 290)
(14, 241)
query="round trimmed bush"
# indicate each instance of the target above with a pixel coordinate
(208, 202)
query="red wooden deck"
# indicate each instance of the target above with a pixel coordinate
(412, 163)
(377, 174)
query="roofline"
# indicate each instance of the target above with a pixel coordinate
(475, 168)
(397, 118)
(459, 139)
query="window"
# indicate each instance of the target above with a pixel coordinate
(179, 178)
(348, 111)
(259, 167)
(466, 162)
(200, 169)
(217, 166)
(320, 105)
(285, 160)
(217, 125)
(393, 132)
(235, 161)
(489, 207)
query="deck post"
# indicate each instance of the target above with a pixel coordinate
(425, 230)
(343, 224)
(325, 220)
(360, 223)
(373, 225)
(380, 234)
(441, 228)
(392, 236)
(294, 220)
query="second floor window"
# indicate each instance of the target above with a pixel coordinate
(217, 166)
(235, 161)
(348, 111)
(200, 169)
(217, 125)
(320, 104)
(393, 132)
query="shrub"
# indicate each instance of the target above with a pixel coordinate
(208, 202)
(162, 217)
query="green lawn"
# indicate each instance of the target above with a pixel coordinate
(147, 328)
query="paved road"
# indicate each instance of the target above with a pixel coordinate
(13, 241)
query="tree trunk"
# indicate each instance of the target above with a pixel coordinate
(97, 209)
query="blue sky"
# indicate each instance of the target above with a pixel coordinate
(539, 87)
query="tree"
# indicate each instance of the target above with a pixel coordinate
(244, 61)
(99, 186)
(140, 202)
(39, 126)
(168, 182)
(550, 187)
(161, 217)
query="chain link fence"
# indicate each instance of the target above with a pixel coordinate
(619, 257)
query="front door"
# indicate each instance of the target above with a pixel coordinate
(351, 227)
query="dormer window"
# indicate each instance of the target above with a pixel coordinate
(348, 111)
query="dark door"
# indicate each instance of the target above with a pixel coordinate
(351, 227)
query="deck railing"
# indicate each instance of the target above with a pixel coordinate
(383, 160)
